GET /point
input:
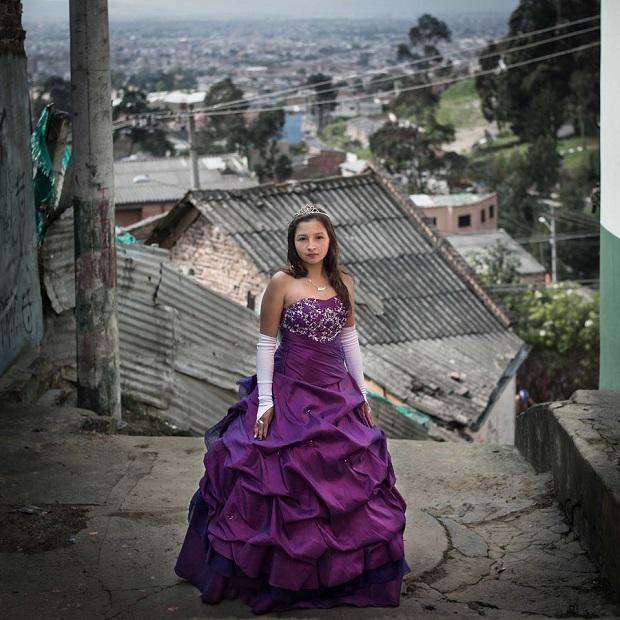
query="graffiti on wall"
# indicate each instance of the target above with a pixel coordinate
(20, 303)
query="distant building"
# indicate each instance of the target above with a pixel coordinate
(147, 187)
(353, 165)
(529, 269)
(349, 107)
(362, 128)
(326, 163)
(458, 213)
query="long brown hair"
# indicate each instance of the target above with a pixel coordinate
(331, 262)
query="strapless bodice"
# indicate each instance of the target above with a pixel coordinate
(320, 320)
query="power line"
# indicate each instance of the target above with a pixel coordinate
(236, 102)
(574, 218)
(560, 237)
(358, 98)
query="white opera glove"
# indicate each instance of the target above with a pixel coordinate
(353, 356)
(265, 352)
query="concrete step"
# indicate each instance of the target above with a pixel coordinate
(485, 535)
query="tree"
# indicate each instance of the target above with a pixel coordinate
(263, 135)
(325, 99)
(54, 90)
(543, 163)
(556, 89)
(562, 325)
(412, 149)
(423, 40)
(133, 101)
(559, 322)
(228, 131)
(495, 265)
(422, 49)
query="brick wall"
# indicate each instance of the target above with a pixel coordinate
(205, 252)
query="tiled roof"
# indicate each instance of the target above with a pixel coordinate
(412, 287)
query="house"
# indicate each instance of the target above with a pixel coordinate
(458, 213)
(363, 127)
(435, 343)
(314, 165)
(183, 347)
(145, 187)
(348, 105)
(529, 270)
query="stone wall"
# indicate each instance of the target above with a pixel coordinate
(21, 325)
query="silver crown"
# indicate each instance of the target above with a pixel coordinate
(309, 209)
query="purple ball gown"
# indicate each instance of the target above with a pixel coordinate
(310, 516)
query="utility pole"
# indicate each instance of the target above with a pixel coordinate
(609, 376)
(193, 153)
(552, 204)
(93, 210)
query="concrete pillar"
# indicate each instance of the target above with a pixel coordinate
(93, 207)
(21, 325)
(609, 378)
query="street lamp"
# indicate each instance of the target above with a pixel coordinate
(552, 241)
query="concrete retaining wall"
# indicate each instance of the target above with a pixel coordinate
(579, 442)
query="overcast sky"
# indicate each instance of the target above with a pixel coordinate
(35, 10)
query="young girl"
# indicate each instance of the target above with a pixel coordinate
(298, 506)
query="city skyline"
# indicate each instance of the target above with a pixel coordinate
(58, 10)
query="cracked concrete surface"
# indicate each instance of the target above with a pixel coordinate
(485, 537)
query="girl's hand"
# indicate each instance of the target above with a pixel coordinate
(260, 430)
(368, 414)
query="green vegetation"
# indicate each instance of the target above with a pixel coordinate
(333, 134)
(460, 106)
(560, 322)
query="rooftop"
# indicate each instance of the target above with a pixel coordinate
(429, 329)
(167, 179)
(447, 200)
(473, 243)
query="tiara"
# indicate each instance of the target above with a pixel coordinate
(309, 209)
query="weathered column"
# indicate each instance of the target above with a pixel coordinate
(21, 326)
(609, 378)
(93, 208)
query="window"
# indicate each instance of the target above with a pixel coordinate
(491, 211)
(464, 221)
(483, 216)
(432, 221)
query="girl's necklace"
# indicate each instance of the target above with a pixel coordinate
(318, 288)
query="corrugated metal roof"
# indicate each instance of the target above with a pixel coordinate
(147, 338)
(398, 421)
(421, 312)
(447, 200)
(167, 179)
(449, 378)
(182, 347)
(481, 241)
(217, 337)
(57, 256)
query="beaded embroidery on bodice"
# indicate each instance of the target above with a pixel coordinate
(319, 319)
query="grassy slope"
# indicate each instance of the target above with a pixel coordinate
(460, 106)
